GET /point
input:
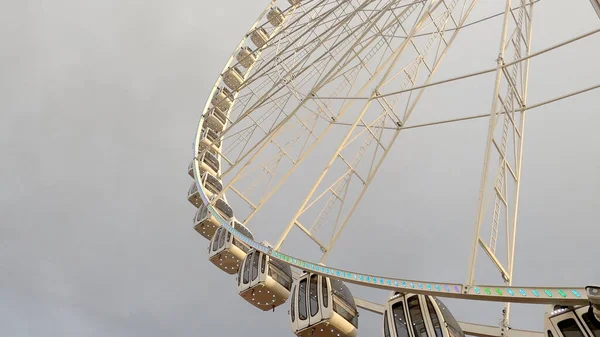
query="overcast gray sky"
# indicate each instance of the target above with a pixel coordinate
(99, 102)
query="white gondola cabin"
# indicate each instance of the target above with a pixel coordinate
(322, 307)
(264, 282)
(208, 162)
(578, 321)
(191, 168)
(246, 57)
(211, 184)
(215, 119)
(259, 37)
(223, 99)
(194, 195)
(275, 16)
(411, 315)
(227, 252)
(233, 78)
(206, 223)
(209, 139)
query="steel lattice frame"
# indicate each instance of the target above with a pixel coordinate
(331, 62)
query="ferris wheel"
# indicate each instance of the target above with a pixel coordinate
(336, 81)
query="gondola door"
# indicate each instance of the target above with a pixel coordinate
(254, 269)
(315, 314)
(417, 320)
(567, 325)
(400, 322)
(433, 317)
(263, 268)
(326, 297)
(302, 300)
(589, 321)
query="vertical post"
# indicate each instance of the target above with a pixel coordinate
(505, 135)
(513, 240)
(490, 136)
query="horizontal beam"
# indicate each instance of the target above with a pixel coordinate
(486, 293)
(369, 306)
(462, 77)
(462, 119)
(479, 330)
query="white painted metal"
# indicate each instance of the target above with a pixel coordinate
(467, 7)
(385, 68)
(505, 139)
(285, 83)
(596, 5)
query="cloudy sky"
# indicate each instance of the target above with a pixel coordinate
(98, 106)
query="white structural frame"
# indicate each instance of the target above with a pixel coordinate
(507, 118)
(516, 87)
(596, 5)
(387, 68)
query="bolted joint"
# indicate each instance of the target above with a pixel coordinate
(500, 59)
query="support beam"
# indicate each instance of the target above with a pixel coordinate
(502, 163)
(369, 306)
(596, 5)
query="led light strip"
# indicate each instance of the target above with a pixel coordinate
(490, 293)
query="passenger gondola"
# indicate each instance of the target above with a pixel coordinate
(223, 99)
(578, 321)
(322, 307)
(208, 162)
(233, 78)
(275, 16)
(259, 37)
(206, 223)
(215, 119)
(194, 195)
(411, 315)
(264, 282)
(246, 57)
(212, 185)
(227, 252)
(191, 168)
(209, 139)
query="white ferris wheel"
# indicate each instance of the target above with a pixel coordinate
(337, 81)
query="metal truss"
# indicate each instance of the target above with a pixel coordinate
(341, 78)
(501, 179)
(305, 82)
